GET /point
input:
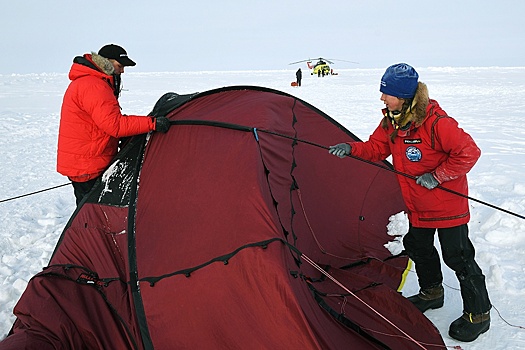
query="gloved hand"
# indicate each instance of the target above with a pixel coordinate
(427, 180)
(162, 124)
(341, 150)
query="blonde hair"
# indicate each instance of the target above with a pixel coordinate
(388, 119)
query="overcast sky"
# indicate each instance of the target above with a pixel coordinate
(43, 36)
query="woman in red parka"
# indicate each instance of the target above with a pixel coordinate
(428, 145)
(91, 122)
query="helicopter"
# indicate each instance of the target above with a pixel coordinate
(321, 67)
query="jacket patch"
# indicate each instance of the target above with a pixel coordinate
(412, 142)
(413, 154)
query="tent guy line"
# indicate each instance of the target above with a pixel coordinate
(255, 130)
(333, 279)
(32, 193)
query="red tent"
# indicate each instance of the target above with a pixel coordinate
(234, 230)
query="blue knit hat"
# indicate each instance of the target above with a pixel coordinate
(399, 80)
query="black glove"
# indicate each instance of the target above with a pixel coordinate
(162, 124)
(341, 150)
(427, 180)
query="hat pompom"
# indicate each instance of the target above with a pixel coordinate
(399, 80)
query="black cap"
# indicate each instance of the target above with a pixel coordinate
(117, 53)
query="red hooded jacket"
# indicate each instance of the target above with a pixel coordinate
(91, 123)
(432, 144)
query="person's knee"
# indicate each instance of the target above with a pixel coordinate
(417, 249)
(469, 270)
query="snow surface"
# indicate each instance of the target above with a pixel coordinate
(488, 102)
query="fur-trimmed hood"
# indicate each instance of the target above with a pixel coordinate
(103, 63)
(421, 99)
(410, 118)
(96, 62)
(95, 65)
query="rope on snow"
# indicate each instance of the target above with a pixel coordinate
(32, 193)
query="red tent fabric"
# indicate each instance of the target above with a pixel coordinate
(234, 230)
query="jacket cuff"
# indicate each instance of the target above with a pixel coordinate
(434, 174)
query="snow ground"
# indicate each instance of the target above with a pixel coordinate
(488, 102)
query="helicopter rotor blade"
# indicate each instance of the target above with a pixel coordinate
(335, 59)
(329, 60)
(300, 61)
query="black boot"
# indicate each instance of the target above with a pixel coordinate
(428, 298)
(468, 327)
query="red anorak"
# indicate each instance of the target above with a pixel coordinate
(91, 124)
(436, 145)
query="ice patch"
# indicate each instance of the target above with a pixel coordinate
(397, 227)
(20, 285)
(117, 177)
(519, 189)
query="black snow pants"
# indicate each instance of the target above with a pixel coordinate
(82, 188)
(458, 254)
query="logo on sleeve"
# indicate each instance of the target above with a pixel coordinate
(413, 154)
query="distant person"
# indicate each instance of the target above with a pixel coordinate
(91, 122)
(428, 145)
(299, 76)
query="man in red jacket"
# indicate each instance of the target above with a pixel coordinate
(91, 123)
(428, 145)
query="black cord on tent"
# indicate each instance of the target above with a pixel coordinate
(252, 129)
(255, 130)
(32, 193)
(399, 173)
